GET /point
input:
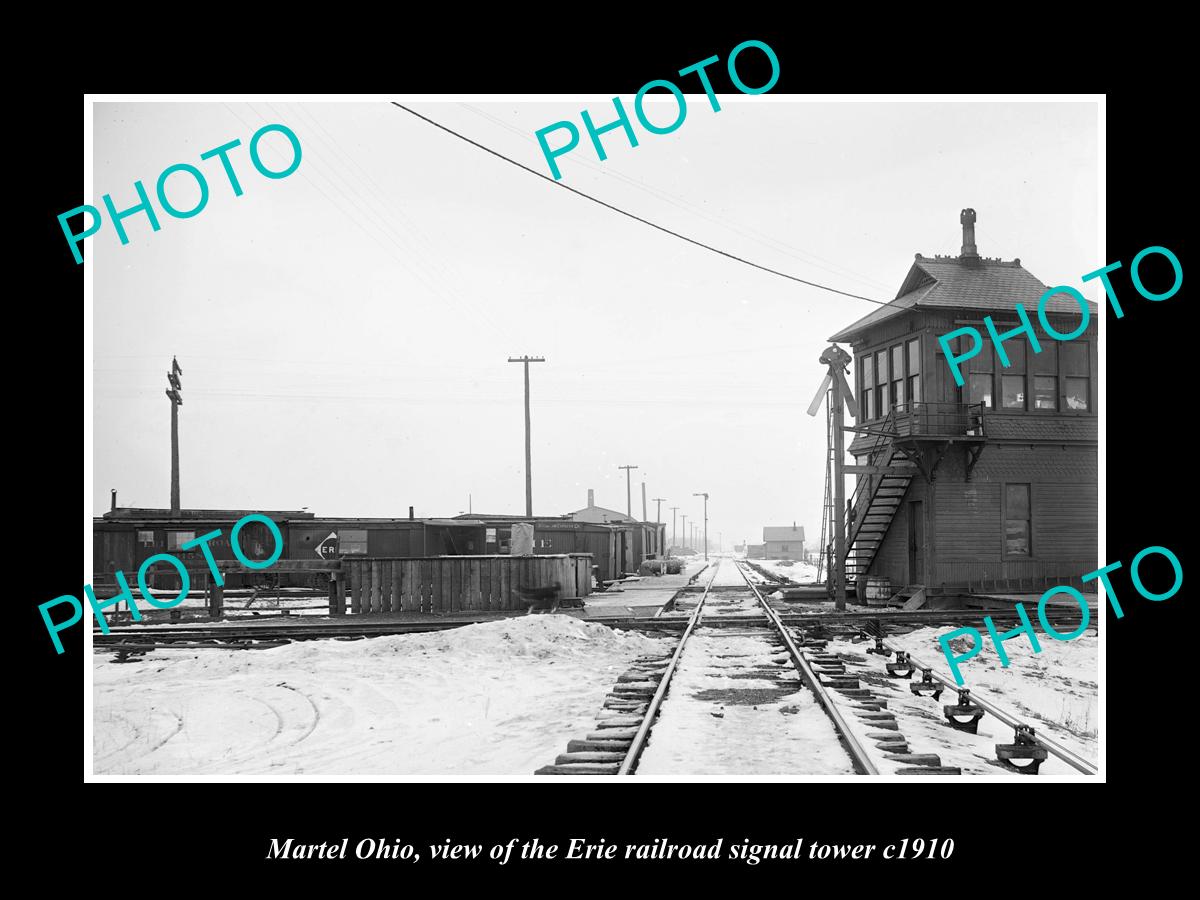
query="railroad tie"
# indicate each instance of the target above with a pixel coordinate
(855, 693)
(624, 715)
(636, 687)
(930, 770)
(594, 756)
(637, 675)
(612, 734)
(624, 705)
(916, 759)
(577, 746)
(876, 715)
(580, 769)
(889, 742)
(619, 721)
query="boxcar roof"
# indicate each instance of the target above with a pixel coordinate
(144, 513)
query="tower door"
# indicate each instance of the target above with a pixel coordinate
(916, 542)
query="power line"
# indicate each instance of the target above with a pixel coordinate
(637, 218)
(749, 233)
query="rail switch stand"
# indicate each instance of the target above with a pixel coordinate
(927, 685)
(902, 667)
(964, 715)
(1026, 749)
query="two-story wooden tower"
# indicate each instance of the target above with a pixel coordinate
(991, 485)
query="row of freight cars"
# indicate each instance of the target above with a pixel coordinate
(123, 538)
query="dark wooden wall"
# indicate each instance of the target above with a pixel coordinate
(969, 529)
(459, 583)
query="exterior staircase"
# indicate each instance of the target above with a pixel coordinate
(875, 503)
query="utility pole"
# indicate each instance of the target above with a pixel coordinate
(685, 531)
(176, 397)
(705, 496)
(644, 519)
(628, 489)
(526, 360)
(658, 509)
(674, 515)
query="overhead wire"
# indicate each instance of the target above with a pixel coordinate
(635, 217)
(745, 231)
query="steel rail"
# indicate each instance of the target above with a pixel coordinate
(368, 623)
(1053, 747)
(629, 763)
(231, 632)
(366, 629)
(862, 762)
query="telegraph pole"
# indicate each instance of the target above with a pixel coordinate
(628, 489)
(705, 496)
(526, 360)
(685, 531)
(658, 509)
(644, 519)
(674, 515)
(176, 401)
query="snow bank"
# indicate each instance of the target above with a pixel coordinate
(499, 698)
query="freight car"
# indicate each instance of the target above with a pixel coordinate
(617, 548)
(123, 538)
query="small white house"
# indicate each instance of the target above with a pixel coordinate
(784, 542)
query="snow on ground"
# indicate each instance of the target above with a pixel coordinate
(1056, 688)
(499, 698)
(799, 572)
(719, 719)
(727, 575)
(1055, 691)
(736, 706)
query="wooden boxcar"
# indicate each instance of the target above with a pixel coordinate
(122, 539)
(613, 546)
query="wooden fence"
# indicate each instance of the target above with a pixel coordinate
(443, 584)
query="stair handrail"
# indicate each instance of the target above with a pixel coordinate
(881, 454)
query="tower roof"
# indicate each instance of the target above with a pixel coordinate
(958, 282)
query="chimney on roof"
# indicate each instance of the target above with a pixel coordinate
(969, 251)
(410, 512)
(114, 499)
(591, 497)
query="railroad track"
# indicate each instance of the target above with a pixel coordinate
(854, 694)
(225, 635)
(870, 702)
(633, 708)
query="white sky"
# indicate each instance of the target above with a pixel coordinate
(344, 331)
